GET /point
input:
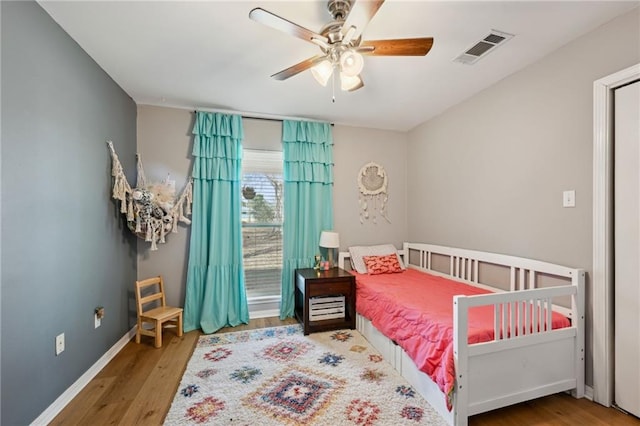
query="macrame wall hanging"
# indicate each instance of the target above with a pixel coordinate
(373, 184)
(153, 209)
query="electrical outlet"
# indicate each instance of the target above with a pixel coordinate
(96, 321)
(59, 344)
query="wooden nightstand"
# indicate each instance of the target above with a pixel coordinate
(334, 282)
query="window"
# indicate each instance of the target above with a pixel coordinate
(262, 208)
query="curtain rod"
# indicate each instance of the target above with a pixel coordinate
(251, 117)
(274, 119)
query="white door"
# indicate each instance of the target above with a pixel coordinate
(627, 248)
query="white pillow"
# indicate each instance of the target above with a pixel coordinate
(358, 252)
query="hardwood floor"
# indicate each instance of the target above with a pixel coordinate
(139, 384)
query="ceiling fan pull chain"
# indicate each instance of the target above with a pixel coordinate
(333, 87)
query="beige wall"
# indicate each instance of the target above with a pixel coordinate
(354, 147)
(490, 171)
(165, 142)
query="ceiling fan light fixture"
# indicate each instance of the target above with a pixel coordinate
(351, 63)
(350, 83)
(322, 71)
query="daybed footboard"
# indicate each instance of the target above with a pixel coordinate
(529, 361)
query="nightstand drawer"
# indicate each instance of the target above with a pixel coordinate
(330, 288)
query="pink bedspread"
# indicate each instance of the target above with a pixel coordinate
(415, 309)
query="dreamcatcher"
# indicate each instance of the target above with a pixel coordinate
(152, 210)
(372, 182)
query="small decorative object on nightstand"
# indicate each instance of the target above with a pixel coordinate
(325, 300)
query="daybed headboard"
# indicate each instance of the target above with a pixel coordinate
(496, 272)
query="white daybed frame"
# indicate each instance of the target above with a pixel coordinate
(507, 370)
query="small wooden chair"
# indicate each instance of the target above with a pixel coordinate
(159, 315)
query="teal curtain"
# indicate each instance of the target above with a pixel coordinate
(308, 198)
(215, 294)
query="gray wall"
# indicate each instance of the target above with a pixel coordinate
(490, 172)
(64, 247)
(165, 142)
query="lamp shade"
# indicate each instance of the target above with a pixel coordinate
(322, 72)
(329, 239)
(351, 63)
(350, 84)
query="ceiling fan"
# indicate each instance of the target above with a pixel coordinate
(341, 42)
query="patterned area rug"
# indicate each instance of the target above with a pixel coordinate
(278, 376)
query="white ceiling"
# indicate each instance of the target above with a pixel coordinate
(209, 54)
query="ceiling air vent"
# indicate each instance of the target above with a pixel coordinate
(483, 47)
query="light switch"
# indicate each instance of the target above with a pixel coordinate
(569, 198)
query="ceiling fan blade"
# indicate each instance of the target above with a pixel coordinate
(397, 47)
(274, 21)
(361, 13)
(298, 68)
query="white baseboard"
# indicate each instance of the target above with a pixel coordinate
(58, 405)
(588, 392)
(265, 313)
(264, 307)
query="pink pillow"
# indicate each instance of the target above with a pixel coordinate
(387, 264)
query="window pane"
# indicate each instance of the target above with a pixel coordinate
(262, 202)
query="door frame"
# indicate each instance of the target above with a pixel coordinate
(602, 273)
